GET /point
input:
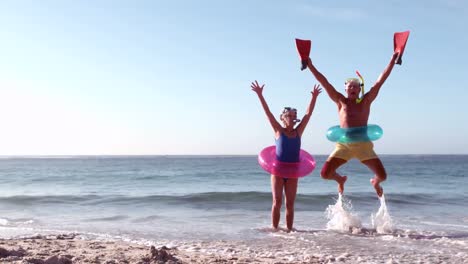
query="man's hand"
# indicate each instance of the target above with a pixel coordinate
(309, 63)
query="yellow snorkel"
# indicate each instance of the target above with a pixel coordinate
(362, 87)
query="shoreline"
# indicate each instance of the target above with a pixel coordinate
(72, 248)
(299, 247)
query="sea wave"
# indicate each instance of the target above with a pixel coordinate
(226, 200)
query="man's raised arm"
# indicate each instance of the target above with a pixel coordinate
(374, 91)
(331, 91)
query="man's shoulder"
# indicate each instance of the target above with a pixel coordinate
(366, 100)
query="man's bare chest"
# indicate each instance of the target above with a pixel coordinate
(352, 109)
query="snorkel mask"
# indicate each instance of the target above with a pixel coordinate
(361, 83)
(288, 109)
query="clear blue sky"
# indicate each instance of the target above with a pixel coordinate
(173, 77)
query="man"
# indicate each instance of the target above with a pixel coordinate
(353, 112)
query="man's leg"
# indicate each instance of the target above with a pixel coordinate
(329, 172)
(277, 193)
(376, 166)
(290, 190)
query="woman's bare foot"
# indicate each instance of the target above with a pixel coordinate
(378, 189)
(341, 181)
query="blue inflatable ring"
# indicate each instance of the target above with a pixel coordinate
(354, 134)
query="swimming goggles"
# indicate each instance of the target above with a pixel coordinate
(288, 109)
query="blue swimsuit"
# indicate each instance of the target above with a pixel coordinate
(287, 149)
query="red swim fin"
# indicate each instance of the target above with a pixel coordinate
(303, 47)
(399, 44)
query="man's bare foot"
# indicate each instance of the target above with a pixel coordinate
(378, 189)
(341, 181)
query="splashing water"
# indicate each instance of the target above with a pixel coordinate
(382, 222)
(341, 218)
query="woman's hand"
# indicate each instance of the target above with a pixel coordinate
(317, 90)
(257, 88)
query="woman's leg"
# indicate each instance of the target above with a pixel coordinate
(290, 190)
(277, 193)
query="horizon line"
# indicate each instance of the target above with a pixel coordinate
(198, 155)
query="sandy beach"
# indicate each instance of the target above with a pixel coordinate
(71, 248)
(202, 210)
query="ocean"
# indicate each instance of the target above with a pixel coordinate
(222, 204)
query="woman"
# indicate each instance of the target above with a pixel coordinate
(288, 145)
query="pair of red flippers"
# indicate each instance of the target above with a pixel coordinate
(399, 43)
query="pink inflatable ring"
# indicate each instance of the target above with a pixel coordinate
(268, 162)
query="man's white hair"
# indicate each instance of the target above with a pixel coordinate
(351, 80)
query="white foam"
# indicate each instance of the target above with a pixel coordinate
(340, 216)
(382, 221)
(12, 232)
(3, 222)
(451, 242)
(15, 222)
